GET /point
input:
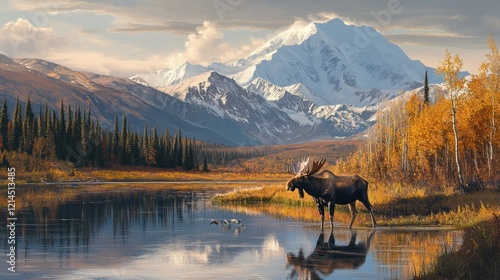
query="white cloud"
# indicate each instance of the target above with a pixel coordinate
(207, 45)
(21, 39)
(98, 62)
(123, 26)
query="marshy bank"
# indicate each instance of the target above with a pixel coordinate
(390, 206)
(478, 213)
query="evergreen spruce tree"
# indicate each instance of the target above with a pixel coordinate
(426, 89)
(40, 125)
(4, 126)
(98, 152)
(77, 129)
(69, 128)
(61, 133)
(115, 142)
(28, 128)
(109, 147)
(89, 119)
(178, 149)
(205, 164)
(188, 155)
(155, 146)
(161, 152)
(46, 121)
(134, 148)
(84, 147)
(17, 128)
(123, 141)
(168, 151)
(184, 154)
(145, 146)
(55, 125)
(92, 139)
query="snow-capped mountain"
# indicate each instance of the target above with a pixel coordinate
(167, 77)
(266, 119)
(314, 80)
(329, 63)
(345, 119)
(222, 97)
(333, 63)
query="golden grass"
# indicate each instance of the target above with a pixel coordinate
(478, 258)
(138, 174)
(392, 208)
(40, 196)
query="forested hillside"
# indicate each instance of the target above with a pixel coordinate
(452, 141)
(74, 136)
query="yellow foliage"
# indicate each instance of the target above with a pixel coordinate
(430, 144)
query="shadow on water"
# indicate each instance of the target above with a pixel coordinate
(329, 256)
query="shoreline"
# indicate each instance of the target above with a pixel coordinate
(168, 182)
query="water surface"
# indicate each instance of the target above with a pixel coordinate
(166, 234)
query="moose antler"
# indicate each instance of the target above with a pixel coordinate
(301, 166)
(317, 165)
(297, 167)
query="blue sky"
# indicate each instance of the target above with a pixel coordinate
(123, 38)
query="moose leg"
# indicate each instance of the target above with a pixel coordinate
(321, 210)
(369, 207)
(354, 212)
(331, 209)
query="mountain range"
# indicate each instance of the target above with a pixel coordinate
(312, 81)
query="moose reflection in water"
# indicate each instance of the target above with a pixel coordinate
(327, 257)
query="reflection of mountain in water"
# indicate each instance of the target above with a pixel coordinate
(328, 256)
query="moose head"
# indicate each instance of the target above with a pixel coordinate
(301, 173)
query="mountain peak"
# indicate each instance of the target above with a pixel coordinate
(295, 34)
(333, 62)
(167, 77)
(39, 64)
(5, 59)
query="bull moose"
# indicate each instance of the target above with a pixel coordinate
(328, 189)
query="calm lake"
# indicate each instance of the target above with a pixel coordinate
(165, 234)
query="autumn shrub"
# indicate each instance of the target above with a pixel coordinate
(478, 258)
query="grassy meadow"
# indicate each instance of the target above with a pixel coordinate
(391, 208)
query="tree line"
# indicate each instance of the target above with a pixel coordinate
(74, 135)
(453, 140)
